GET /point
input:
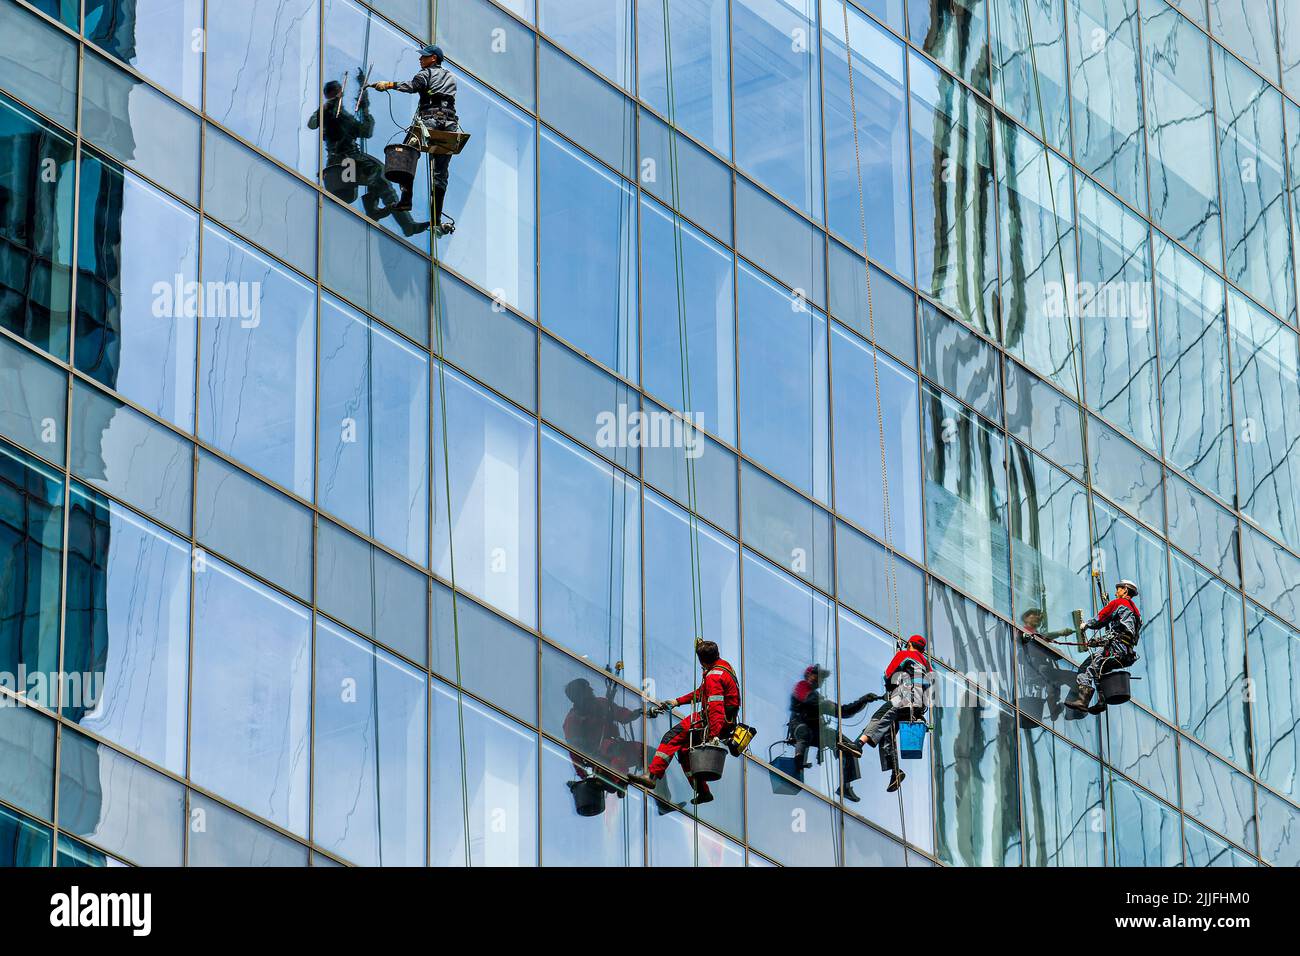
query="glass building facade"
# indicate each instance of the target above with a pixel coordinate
(318, 550)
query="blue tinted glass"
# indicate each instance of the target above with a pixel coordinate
(783, 395)
(23, 842)
(369, 760)
(599, 32)
(1024, 78)
(1274, 665)
(251, 695)
(33, 401)
(574, 835)
(858, 484)
(501, 767)
(125, 807)
(127, 629)
(257, 362)
(492, 195)
(696, 96)
(373, 423)
(1265, 385)
(881, 147)
(588, 256)
(954, 32)
(776, 98)
(670, 594)
(1061, 793)
(40, 62)
(26, 758)
(137, 261)
(491, 454)
(160, 38)
(218, 836)
(263, 75)
(699, 302)
(1217, 795)
(1144, 831)
(591, 567)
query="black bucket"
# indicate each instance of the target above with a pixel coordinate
(400, 163)
(707, 761)
(588, 797)
(1114, 687)
(338, 184)
(1032, 706)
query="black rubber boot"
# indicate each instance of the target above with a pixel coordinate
(895, 781)
(403, 203)
(1079, 700)
(851, 747)
(847, 793)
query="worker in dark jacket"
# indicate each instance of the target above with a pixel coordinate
(1121, 621)
(342, 132)
(719, 699)
(436, 110)
(592, 727)
(809, 727)
(907, 684)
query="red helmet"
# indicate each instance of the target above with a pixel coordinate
(916, 639)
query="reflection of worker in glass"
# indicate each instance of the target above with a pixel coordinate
(592, 728)
(436, 110)
(348, 166)
(810, 724)
(1045, 674)
(907, 686)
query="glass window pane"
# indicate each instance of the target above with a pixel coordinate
(780, 241)
(591, 567)
(157, 37)
(587, 110)
(40, 63)
(1106, 84)
(491, 453)
(1180, 130)
(36, 228)
(368, 763)
(954, 32)
(697, 306)
(599, 32)
(1023, 78)
(960, 362)
(769, 815)
(23, 842)
(1247, 27)
(373, 421)
(501, 771)
(696, 97)
(127, 637)
(786, 527)
(776, 97)
(1061, 793)
(975, 777)
(1265, 387)
(263, 60)
(33, 401)
(221, 837)
(251, 695)
(257, 360)
(953, 195)
(26, 758)
(119, 804)
(137, 321)
(879, 91)
(1217, 795)
(783, 395)
(1144, 832)
(702, 191)
(588, 227)
(1042, 417)
(492, 195)
(601, 411)
(488, 341)
(1274, 666)
(586, 821)
(856, 368)
(966, 501)
(140, 127)
(489, 44)
(31, 542)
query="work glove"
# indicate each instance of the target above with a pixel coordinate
(383, 85)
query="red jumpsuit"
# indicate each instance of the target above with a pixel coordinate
(720, 695)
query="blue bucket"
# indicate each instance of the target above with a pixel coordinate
(911, 739)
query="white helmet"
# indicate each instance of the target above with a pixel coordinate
(1126, 583)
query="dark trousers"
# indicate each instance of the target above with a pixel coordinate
(1112, 655)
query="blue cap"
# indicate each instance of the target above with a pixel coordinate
(430, 50)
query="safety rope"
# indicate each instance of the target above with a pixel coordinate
(683, 341)
(446, 478)
(891, 568)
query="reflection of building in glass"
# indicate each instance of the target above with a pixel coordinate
(357, 574)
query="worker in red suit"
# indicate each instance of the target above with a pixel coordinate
(907, 683)
(1121, 620)
(718, 697)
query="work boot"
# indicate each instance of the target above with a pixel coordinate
(1079, 700)
(403, 203)
(851, 747)
(895, 781)
(847, 793)
(1098, 707)
(704, 796)
(415, 227)
(643, 780)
